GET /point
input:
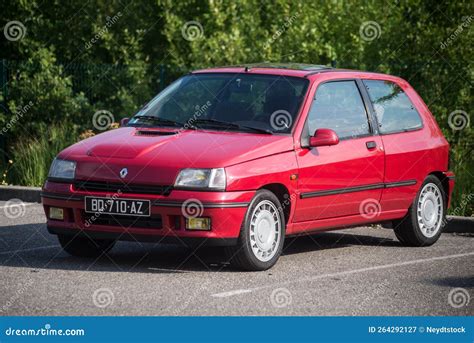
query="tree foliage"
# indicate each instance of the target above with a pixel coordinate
(71, 62)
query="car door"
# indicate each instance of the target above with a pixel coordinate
(408, 148)
(344, 179)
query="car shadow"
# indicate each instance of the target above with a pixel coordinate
(466, 282)
(31, 246)
(333, 239)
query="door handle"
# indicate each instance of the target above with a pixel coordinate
(371, 145)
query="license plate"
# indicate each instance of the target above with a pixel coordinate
(125, 207)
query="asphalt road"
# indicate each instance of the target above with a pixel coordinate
(362, 271)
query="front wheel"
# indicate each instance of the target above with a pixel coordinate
(262, 234)
(423, 224)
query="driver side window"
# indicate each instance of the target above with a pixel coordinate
(338, 106)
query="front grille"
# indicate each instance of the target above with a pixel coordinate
(153, 222)
(115, 187)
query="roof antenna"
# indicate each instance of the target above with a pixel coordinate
(247, 69)
(333, 63)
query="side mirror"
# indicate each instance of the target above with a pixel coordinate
(124, 122)
(323, 137)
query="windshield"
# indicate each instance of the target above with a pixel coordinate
(264, 103)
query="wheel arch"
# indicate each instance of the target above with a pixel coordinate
(444, 182)
(283, 195)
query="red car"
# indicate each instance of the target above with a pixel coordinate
(245, 156)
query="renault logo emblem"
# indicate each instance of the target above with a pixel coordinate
(123, 173)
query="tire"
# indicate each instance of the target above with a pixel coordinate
(424, 222)
(85, 246)
(267, 230)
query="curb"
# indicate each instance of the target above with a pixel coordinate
(454, 224)
(26, 194)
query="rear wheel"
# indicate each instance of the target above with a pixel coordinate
(262, 234)
(85, 246)
(423, 224)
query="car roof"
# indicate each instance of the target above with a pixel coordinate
(287, 69)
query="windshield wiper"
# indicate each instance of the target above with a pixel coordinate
(231, 125)
(161, 121)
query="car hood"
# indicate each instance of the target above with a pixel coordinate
(147, 153)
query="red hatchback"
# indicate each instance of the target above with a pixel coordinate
(245, 156)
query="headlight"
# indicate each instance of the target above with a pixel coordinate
(202, 178)
(62, 169)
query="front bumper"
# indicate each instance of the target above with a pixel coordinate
(167, 223)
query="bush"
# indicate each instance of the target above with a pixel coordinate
(66, 77)
(42, 95)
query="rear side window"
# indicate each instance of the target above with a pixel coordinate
(338, 106)
(394, 110)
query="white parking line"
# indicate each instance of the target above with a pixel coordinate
(31, 249)
(344, 273)
(232, 293)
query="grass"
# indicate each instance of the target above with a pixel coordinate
(32, 157)
(463, 196)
